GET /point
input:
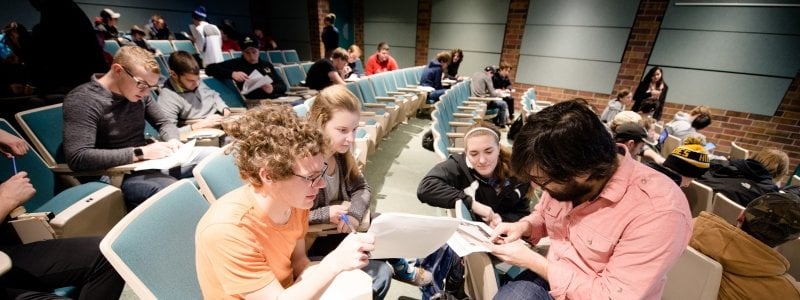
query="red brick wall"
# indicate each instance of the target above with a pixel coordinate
(512, 38)
(358, 20)
(424, 8)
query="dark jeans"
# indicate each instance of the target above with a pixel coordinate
(434, 96)
(40, 267)
(527, 285)
(510, 102)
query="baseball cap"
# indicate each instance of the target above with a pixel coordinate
(635, 132)
(247, 42)
(773, 218)
(490, 69)
(109, 14)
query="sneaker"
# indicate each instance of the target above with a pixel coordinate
(416, 275)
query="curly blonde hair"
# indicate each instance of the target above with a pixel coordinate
(271, 137)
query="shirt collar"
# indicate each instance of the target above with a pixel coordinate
(616, 186)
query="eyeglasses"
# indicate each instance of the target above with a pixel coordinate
(314, 179)
(140, 83)
(540, 183)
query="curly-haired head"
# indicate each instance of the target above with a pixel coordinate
(273, 138)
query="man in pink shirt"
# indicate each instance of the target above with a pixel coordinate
(616, 227)
(381, 61)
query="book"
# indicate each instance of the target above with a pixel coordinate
(184, 155)
(254, 81)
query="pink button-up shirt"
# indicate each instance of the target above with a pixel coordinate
(620, 245)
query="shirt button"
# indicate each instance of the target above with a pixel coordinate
(644, 181)
(619, 290)
(548, 208)
(589, 242)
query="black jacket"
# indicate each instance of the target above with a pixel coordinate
(741, 180)
(445, 183)
(223, 70)
(641, 94)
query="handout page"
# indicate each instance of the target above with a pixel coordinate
(470, 237)
(255, 80)
(184, 154)
(406, 235)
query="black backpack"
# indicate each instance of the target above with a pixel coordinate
(447, 270)
(427, 140)
(515, 127)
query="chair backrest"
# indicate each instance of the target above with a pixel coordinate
(217, 175)
(44, 127)
(301, 110)
(40, 175)
(236, 54)
(367, 93)
(291, 57)
(276, 57)
(795, 179)
(737, 152)
(791, 250)
(227, 91)
(162, 45)
(727, 208)
(694, 276)
(226, 55)
(700, 197)
(262, 55)
(184, 45)
(670, 144)
(282, 75)
(111, 46)
(154, 262)
(411, 77)
(306, 67)
(294, 74)
(163, 66)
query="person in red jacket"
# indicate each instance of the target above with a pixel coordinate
(381, 61)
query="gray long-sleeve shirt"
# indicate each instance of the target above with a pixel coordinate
(358, 193)
(482, 85)
(179, 106)
(101, 129)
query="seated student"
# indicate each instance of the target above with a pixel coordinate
(381, 61)
(647, 108)
(616, 105)
(327, 71)
(346, 193)
(186, 97)
(104, 123)
(481, 177)
(501, 81)
(39, 267)
(751, 268)
(353, 62)
(239, 69)
(686, 162)
(634, 136)
(432, 75)
(684, 124)
(137, 38)
(482, 86)
(742, 180)
(251, 242)
(452, 69)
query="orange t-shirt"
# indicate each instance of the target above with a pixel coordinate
(238, 251)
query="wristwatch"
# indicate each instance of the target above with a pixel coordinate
(138, 153)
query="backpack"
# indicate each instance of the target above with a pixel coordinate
(427, 140)
(515, 127)
(447, 269)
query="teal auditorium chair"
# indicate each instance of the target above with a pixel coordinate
(84, 210)
(262, 55)
(184, 45)
(228, 92)
(163, 66)
(226, 55)
(276, 57)
(217, 175)
(153, 248)
(162, 45)
(111, 46)
(237, 54)
(291, 57)
(370, 101)
(306, 66)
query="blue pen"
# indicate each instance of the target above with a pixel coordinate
(346, 220)
(14, 162)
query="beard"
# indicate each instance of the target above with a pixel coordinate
(571, 192)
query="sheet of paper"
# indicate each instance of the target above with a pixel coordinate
(254, 81)
(470, 237)
(184, 154)
(407, 235)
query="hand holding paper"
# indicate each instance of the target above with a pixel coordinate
(255, 81)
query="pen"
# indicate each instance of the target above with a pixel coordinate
(14, 162)
(347, 221)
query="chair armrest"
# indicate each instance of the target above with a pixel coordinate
(388, 99)
(298, 88)
(485, 99)
(374, 105)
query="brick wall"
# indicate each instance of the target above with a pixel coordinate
(358, 20)
(317, 9)
(512, 38)
(424, 8)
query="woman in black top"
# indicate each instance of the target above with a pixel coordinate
(652, 86)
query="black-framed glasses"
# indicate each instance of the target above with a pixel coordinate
(538, 181)
(140, 83)
(314, 179)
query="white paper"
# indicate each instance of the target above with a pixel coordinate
(255, 80)
(184, 154)
(470, 237)
(399, 235)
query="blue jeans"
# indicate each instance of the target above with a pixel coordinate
(527, 285)
(434, 96)
(502, 110)
(138, 186)
(381, 274)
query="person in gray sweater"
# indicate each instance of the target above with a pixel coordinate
(186, 97)
(104, 123)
